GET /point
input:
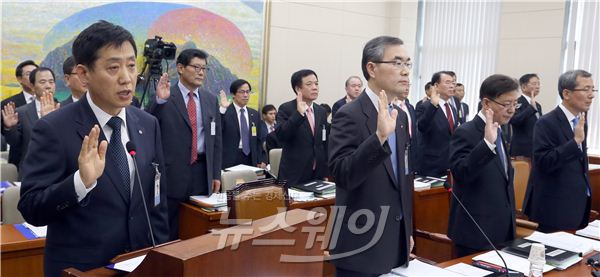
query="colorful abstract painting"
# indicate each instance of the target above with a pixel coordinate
(231, 32)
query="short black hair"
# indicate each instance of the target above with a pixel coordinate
(427, 86)
(496, 85)
(568, 80)
(326, 107)
(40, 69)
(436, 78)
(459, 85)
(97, 36)
(451, 73)
(68, 65)
(237, 84)
(19, 70)
(186, 56)
(525, 78)
(374, 50)
(267, 108)
(296, 79)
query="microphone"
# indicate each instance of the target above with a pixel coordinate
(508, 273)
(131, 150)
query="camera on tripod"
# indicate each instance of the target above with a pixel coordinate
(156, 50)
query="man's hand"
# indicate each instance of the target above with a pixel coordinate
(163, 89)
(435, 96)
(10, 117)
(301, 106)
(261, 165)
(47, 104)
(224, 102)
(579, 130)
(386, 123)
(91, 157)
(491, 127)
(216, 186)
(533, 100)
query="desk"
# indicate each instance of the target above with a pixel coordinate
(20, 256)
(194, 221)
(579, 269)
(594, 174)
(430, 213)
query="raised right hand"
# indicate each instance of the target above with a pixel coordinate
(386, 122)
(301, 106)
(91, 157)
(10, 117)
(435, 96)
(163, 89)
(491, 127)
(224, 102)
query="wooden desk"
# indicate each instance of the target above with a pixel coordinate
(194, 221)
(430, 213)
(579, 269)
(20, 256)
(595, 186)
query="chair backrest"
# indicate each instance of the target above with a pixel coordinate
(522, 171)
(10, 200)
(274, 159)
(229, 179)
(4, 155)
(9, 172)
(257, 199)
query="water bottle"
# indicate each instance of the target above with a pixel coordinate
(537, 260)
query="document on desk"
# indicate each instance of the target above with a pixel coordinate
(418, 268)
(128, 265)
(213, 201)
(241, 167)
(591, 231)
(513, 262)
(39, 232)
(468, 270)
(565, 241)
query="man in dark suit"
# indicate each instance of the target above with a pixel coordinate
(353, 87)
(79, 184)
(413, 148)
(436, 121)
(72, 82)
(302, 132)
(527, 114)
(26, 96)
(17, 124)
(561, 189)
(462, 109)
(191, 129)
(482, 171)
(240, 126)
(425, 98)
(369, 140)
(267, 132)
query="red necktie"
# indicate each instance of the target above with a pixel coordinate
(450, 118)
(311, 119)
(191, 107)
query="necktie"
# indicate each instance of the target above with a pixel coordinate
(500, 150)
(117, 151)
(271, 128)
(311, 119)
(392, 143)
(575, 121)
(405, 109)
(244, 132)
(191, 109)
(450, 117)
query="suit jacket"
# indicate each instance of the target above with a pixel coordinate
(484, 188)
(177, 141)
(337, 105)
(67, 101)
(435, 134)
(231, 137)
(14, 155)
(522, 126)
(20, 135)
(365, 181)
(18, 99)
(414, 161)
(463, 113)
(560, 174)
(300, 147)
(87, 234)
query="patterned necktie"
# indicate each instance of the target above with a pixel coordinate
(244, 132)
(450, 117)
(393, 147)
(311, 119)
(117, 151)
(405, 109)
(191, 109)
(500, 150)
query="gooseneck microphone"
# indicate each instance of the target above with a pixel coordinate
(508, 274)
(131, 150)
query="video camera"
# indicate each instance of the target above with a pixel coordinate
(156, 50)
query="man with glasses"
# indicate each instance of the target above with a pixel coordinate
(527, 114)
(241, 128)
(482, 170)
(561, 184)
(190, 125)
(436, 121)
(72, 82)
(353, 89)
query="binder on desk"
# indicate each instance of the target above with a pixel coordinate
(318, 187)
(560, 258)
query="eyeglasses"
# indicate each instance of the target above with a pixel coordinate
(245, 91)
(505, 105)
(199, 68)
(397, 63)
(586, 89)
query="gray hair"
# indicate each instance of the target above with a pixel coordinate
(374, 49)
(352, 77)
(568, 80)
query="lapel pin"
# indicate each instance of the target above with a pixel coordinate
(140, 131)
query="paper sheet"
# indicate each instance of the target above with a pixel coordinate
(468, 270)
(129, 265)
(565, 241)
(418, 268)
(214, 200)
(39, 232)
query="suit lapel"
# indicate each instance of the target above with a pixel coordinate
(136, 134)
(32, 115)
(177, 98)
(563, 122)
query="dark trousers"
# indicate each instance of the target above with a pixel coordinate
(241, 158)
(199, 187)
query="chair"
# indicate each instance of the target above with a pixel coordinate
(521, 179)
(229, 179)
(257, 199)
(4, 156)
(275, 158)
(9, 172)
(10, 213)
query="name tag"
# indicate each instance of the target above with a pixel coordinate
(213, 128)
(406, 167)
(156, 184)
(324, 133)
(253, 129)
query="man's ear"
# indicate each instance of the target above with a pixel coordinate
(82, 72)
